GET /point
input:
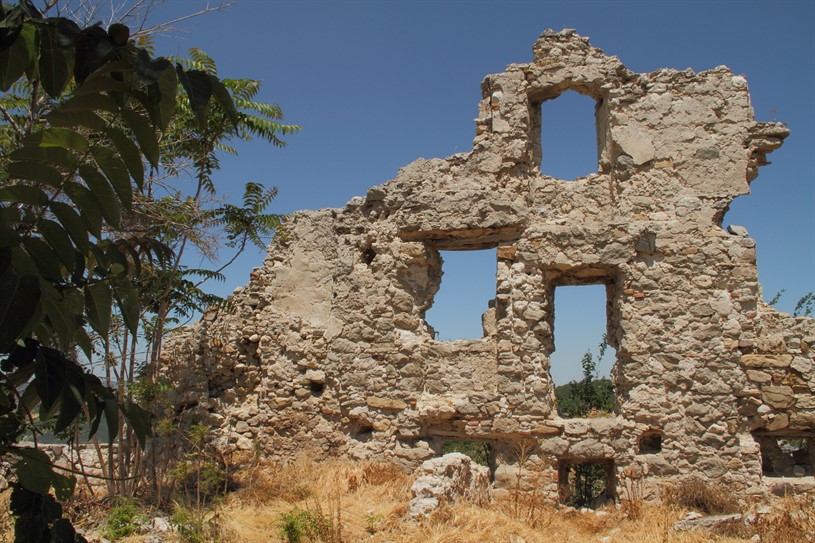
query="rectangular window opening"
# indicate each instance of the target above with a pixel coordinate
(581, 364)
(787, 455)
(464, 307)
(570, 142)
(586, 483)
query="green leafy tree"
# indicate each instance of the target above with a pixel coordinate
(83, 110)
(587, 480)
(192, 218)
(580, 398)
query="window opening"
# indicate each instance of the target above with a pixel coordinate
(586, 483)
(787, 456)
(651, 442)
(569, 137)
(581, 364)
(463, 306)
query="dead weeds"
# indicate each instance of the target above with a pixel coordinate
(352, 502)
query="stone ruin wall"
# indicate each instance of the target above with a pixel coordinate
(326, 350)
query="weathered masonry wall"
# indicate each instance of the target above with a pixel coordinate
(327, 350)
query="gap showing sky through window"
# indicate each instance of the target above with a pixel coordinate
(580, 322)
(568, 136)
(467, 286)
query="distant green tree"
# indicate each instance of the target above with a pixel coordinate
(578, 398)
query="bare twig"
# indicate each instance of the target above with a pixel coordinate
(168, 26)
(12, 122)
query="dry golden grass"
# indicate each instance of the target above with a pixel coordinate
(705, 497)
(367, 502)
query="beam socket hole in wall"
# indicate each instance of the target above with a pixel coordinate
(787, 455)
(569, 138)
(650, 442)
(464, 306)
(580, 328)
(586, 483)
(316, 388)
(362, 431)
(368, 255)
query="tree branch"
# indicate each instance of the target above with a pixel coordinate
(167, 26)
(12, 122)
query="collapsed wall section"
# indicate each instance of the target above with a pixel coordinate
(327, 351)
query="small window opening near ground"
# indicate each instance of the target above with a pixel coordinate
(464, 304)
(787, 456)
(569, 147)
(586, 483)
(581, 364)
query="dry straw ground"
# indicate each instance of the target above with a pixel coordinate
(343, 502)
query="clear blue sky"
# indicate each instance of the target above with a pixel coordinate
(376, 85)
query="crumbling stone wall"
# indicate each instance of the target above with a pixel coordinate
(326, 350)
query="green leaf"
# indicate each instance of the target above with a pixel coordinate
(150, 70)
(116, 172)
(90, 101)
(55, 65)
(116, 258)
(62, 322)
(84, 342)
(24, 194)
(71, 398)
(111, 410)
(72, 298)
(58, 156)
(44, 257)
(58, 239)
(145, 135)
(62, 137)
(88, 207)
(95, 410)
(94, 85)
(162, 95)
(98, 302)
(16, 59)
(130, 154)
(140, 420)
(72, 222)
(93, 50)
(76, 117)
(19, 296)
(100, 188)
(135, 260)
(34, 470)
(199, 89)
(127, 298)
(225, 100)
(11, 24)
(21, 262)
(35, 171)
